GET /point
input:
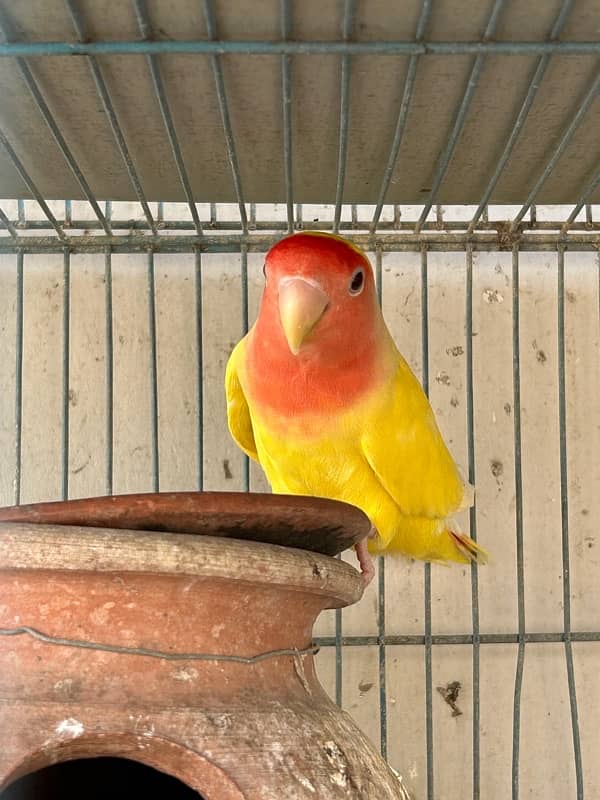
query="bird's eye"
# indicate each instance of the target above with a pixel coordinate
(357, 282)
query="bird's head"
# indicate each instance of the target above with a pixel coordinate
(319, 297)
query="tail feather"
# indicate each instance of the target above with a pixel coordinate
(468, 548)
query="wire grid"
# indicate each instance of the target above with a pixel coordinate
(339, 641)
(508, 234)
(201, 229)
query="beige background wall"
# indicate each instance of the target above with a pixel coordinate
(188, 446)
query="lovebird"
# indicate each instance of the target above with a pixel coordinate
(320, 396)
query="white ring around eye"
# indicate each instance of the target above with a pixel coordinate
(358, 278)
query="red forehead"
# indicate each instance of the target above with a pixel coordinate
(313, 251)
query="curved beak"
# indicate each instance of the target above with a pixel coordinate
(301, 306)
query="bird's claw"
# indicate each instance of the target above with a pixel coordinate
(367, 569)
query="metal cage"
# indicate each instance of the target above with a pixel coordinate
(102, 116)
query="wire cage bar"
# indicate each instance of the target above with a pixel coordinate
(384, 223)
(281, 48)
(381, 640)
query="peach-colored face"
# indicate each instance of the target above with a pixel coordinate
(319, 298)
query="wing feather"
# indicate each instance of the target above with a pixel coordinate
(238, 413)
(404, 447)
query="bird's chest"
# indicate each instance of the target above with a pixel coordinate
(308, 454)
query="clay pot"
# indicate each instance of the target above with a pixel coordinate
(200, 662)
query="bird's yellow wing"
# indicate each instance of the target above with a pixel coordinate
(404, 447)
(238, 413)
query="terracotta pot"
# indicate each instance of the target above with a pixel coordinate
(183, 672)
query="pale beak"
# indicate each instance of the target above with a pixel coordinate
(301, 306)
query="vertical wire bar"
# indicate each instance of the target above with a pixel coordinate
(339, 651)
(65, 372)
(461, 116)
(348, 23)
(21, 210)
(68, 212)
(143, 21)
(109, 109)
(245, 325)
(518, 523)
(564, 509)
(211, 27)
(286, 93)
(381, 580)
(8, 225)
(153, 371)
(18, 165)
(338, 656)
(19, 379)
(109, 371)
(427, 566)
(200, 361)
(473, 525)
(534, 85)
(409, 86)
(533, 216)
(564, 140)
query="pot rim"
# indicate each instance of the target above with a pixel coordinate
(36, 547)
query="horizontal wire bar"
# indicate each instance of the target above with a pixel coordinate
(257, 243)
(166, 655)
(279, 225)
(290, 47)
(391, 640)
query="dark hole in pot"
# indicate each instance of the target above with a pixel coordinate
(98, 779)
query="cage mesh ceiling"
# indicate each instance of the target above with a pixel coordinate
(368, 101)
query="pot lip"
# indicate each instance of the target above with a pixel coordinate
(309, 523)
(72, 548)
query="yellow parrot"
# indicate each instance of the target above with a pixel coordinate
(319, 395)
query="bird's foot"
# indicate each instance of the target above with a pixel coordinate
(367, 569)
